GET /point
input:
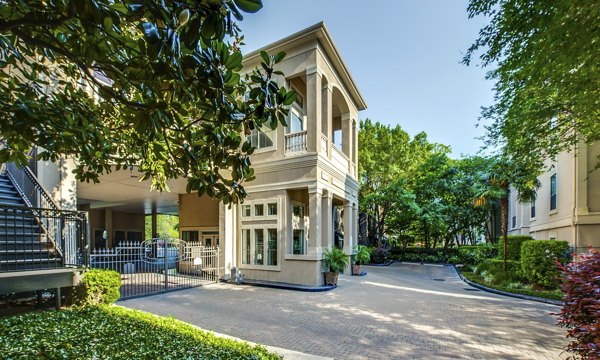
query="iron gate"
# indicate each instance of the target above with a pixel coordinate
(160, 265)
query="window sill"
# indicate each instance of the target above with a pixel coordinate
(264, 150)
(552, 212)
(260, 267)
(309, 257)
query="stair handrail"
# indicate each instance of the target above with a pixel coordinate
(41, 192)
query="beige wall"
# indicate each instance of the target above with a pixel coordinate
(577, 217)
(198, 211)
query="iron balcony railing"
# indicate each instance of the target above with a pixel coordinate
(25, 234)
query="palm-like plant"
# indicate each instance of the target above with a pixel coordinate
(503, 174)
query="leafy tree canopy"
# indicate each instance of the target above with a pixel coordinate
(152, 84)
(544, 59)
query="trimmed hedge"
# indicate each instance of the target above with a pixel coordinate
(538, 261)
(112, 332)
(513, 246)
(98, 287)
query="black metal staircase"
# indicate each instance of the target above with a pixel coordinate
(24, 243)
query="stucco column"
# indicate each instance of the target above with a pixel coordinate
(314, 220)
(581, 175)
(108, 226)
(348, 228)
(347, 135)
(313, 109)
(227, 241)
(355, 223)
(355, 147)
(327, 220)
(327, 116)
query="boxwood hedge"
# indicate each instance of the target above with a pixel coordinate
(98, 286)
(111, 332)
(513, 246)
(538, 261)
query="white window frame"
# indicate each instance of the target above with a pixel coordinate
(267, 130)
(301, 114)
(264, 228)
(299, 224)
(262, 223)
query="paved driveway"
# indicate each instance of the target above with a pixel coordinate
(396, 312)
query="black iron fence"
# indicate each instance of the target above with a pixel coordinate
(35, 238)
(159, 265)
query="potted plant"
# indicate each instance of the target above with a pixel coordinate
(363, 256)
(336, 261)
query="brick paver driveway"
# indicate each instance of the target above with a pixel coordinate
(396, 312)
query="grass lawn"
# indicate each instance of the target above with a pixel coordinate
(114, 332)
(517, 288)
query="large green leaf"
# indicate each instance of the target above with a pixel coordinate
(249, 6)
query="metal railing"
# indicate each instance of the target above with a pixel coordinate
(35, 196)
(296, 142)
(159, 265)
(25, 244)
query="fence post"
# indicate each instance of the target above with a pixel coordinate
(218, 264)
(166, 259)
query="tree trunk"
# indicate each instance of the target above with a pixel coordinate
(504, 210)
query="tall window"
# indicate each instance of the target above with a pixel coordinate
(259, 247)
(246, 246)
(533, 209)
(553, 192)
(514, 222)
(272, 247)
(261, 138)
(296, 120)
(298, 233)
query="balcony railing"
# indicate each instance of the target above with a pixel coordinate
(295, 142)
(339, 159)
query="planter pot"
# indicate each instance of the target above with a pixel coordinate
(355, 269)
(331, 278)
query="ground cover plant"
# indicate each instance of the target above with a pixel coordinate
(107, 332)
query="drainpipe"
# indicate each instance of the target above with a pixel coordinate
(575, 202)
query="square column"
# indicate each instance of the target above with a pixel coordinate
(313, 109)
(327, 220)
(327, 116)
(348, 228)
(314, 222)
(347, 135)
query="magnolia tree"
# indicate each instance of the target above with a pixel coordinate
(151, 84)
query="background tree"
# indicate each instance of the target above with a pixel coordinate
(544, 59)
(503, 174)
(151, 84)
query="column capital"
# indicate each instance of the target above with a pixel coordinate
(346, 116)
(315, 190)
(313, 70)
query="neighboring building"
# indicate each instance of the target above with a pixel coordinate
(567, 206)
(304, 197)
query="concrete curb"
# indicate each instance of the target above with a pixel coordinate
(513, 295)
(384, 264)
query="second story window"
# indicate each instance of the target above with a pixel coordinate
(514, 222)
(296, 120)
(533, 209)
(553, 192)
(261, 138)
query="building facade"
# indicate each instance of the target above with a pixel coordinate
(567, 206)
(303, 201)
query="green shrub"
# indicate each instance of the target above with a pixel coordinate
(493, 271)
(112, 332)
(335, 260)
(98, 287)
(379, 256)
(363, 255)
(513, 246)
(538, 261)
(471, 255)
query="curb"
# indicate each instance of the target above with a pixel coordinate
(286, 286)
(384, 264)
(513, 295)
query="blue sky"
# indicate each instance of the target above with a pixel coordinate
(404, 56)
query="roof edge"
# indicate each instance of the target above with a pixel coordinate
(320, 32)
